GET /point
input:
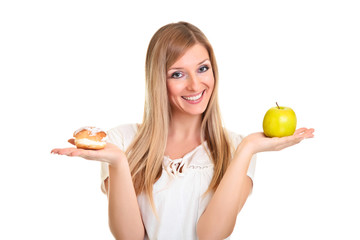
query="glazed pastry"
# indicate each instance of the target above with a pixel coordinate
(90, 138)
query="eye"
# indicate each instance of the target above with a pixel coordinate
(177, 75)
(203, 68)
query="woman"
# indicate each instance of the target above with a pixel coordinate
(179, 174)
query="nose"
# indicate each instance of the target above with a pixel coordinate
(193, 82)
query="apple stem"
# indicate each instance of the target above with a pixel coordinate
(277, 105)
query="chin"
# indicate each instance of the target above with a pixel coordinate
(198, 111)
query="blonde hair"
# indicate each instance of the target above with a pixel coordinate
(146, 152)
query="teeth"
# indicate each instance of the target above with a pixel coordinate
(194, 98)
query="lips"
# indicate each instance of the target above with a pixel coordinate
(195, 97)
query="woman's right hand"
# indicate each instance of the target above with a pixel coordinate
(111, 154)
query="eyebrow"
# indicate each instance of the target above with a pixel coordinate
(207, 59)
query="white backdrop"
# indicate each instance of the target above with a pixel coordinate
(66, 64)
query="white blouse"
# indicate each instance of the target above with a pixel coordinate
(178, 192)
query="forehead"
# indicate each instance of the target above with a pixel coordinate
(193, 56)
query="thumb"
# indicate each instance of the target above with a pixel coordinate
(72, 141)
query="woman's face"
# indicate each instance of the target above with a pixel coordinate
(190, 82)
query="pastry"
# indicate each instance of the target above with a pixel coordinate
(90, 138)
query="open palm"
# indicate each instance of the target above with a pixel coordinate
(258, 142)
(110, 154)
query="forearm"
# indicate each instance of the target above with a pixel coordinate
(218, 220)
(124, 214)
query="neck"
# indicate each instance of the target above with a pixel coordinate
(185, 127)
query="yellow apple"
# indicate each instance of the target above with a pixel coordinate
(279, 122)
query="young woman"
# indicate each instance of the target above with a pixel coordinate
(179, 174)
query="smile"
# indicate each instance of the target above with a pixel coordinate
(194, 98)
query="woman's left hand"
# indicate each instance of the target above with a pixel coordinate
(258, 142)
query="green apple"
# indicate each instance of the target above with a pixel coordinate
(279, 122)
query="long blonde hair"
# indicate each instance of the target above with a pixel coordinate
(146, 152)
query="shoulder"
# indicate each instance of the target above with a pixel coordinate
(235, 138)
(122, 135)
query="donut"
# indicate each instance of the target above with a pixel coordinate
(90, 138)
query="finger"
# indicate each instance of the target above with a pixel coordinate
(300, 130)
(304, 131)
(87, 154)
(300, 136)
(307, 133)
(289, 141)
(75, 152)
(285, 142)
(78, 153)
(57, 151)
(64, 151)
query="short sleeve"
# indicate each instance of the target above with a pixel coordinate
(114, 136)
(236, 140)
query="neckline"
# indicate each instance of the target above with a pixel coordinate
(203, 144)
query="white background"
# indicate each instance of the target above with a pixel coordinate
(66, 64)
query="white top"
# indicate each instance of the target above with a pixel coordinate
(177, 195)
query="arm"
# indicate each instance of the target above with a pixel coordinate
(219, 218)
(227, 201)
(124, 214)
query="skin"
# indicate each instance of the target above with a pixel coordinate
(186, 77)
